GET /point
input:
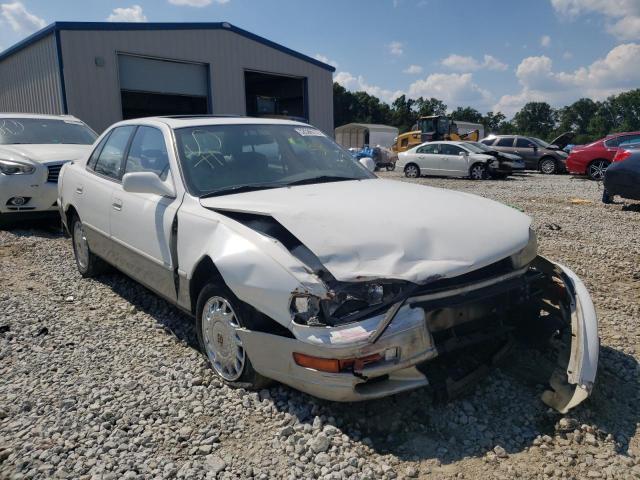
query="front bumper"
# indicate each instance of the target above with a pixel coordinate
(404, 330)
(41, 194)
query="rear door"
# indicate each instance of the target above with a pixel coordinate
(141, 223)
(93, 190)
(428, 159)
(528, 151)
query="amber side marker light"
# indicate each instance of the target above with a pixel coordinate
(334, 365)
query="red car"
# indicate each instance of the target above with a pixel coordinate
(593, 159)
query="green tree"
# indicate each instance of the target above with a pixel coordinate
(466, 114)
(492, 122)
(403, 115)
(537, 119)
(426, 107)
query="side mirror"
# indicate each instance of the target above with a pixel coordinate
(368, 163)
(462, 154)
(533, 145)
(148, 182)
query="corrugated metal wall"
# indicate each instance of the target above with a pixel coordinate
(93, 92)
(30, 80)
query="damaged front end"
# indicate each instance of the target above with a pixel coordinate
(381, 338)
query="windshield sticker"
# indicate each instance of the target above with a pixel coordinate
(310, 132)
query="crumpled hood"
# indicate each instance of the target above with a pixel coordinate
(389, 229)
(43, 153)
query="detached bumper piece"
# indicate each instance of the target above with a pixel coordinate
(448, 338)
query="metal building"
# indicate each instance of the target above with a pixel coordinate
(104, 72)
(357, 135)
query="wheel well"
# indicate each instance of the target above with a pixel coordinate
(598, 160)
(205, 272)
(69, 214)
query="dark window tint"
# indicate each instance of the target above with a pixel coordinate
(524, 143)
(110, 160)
(96, 152)
(431, 148)
(148, 153)
(505, 142)
(489, 141)
(447, 149)
(627, 140)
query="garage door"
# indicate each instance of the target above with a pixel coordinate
(150, 86)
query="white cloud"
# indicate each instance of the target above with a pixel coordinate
(567, 55)
(463, 63)
(358, 84)
(19, 18)
(396, 48)
(325, 59)
(413, 70)
(623, 16)
(614, 73)
(131, 14)
(545, 41)
(454, 89)
(196, 3)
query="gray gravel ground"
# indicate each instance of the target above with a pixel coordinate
(101, 379)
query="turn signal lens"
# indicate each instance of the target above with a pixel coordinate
(333, 365)
(621, 155)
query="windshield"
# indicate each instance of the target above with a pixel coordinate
(481, 146)
(475, 148)
(15, 131)
(542, 143)
(228, 158)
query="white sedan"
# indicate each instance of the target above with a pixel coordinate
(252, 227)
(445, 159)
(33, 149)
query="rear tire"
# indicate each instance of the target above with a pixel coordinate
(478, 171)
(412, 171)
(218, 315)
(88, 264)
(548, 166)
(596, 169)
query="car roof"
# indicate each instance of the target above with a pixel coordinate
(181, 121)
(38, 116)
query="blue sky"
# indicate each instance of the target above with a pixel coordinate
(489, 54)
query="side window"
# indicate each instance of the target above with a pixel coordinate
(489, 141)
(109, 162)
(148, 153)
(524, 143)
(448, 149)
(505, 142)
(628, 140)
(91, 163)
(431, 149)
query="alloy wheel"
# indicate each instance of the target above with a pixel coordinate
(597, 169)
(548, 167)
(478, 172)
(222, 343)
(411, 171)
(81, 245)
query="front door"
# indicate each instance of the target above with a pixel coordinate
(529, 151)
(142, 223)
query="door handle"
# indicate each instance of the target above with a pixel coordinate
(117, 204)
(79, 190)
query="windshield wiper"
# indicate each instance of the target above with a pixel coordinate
(241, 189)
(320, 179)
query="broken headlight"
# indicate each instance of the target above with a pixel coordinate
(345, 301)
(525, 256)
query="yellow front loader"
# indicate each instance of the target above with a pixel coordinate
(430, 129)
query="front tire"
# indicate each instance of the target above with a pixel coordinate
(478, 171)
(548, 166)
(218, 317)
(596, 169)
(88, 264)
(411, 171)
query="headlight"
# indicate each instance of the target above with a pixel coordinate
(348, 299)
(525, 256)
(8, 167)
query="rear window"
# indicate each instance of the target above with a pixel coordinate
(34, 131)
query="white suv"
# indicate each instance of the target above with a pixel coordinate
(262, 230)
(33, 149)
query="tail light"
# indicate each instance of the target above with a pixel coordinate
(621, 155)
